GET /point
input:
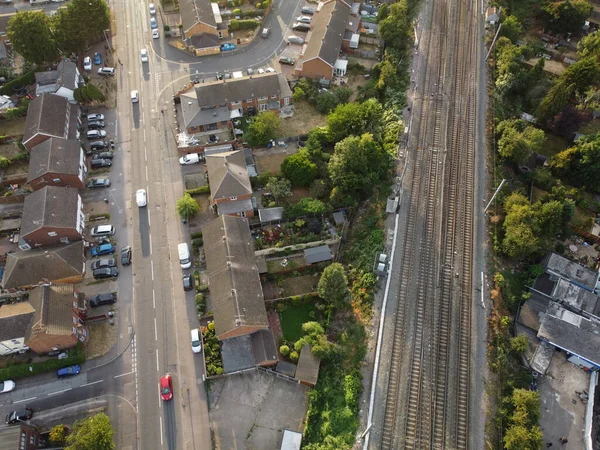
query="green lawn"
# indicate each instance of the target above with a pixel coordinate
(554, 145)
(292, 319)
(591, 128)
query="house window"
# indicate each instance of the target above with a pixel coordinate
(250, 100)
(56, 180)
(262, 107)
(52, 233)
(220, 33)
(64, 240)
(224, 123)
(286, 101)
(233, 199)
(273, 97)
(262, 99)
(243, 214)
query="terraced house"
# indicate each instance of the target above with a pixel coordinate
(202, 26)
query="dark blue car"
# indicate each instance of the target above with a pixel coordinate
(97, 58)
(104, 249)
(68, 371)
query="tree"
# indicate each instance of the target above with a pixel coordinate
(383, 12)
(92, 433)
(355, 119)
(263, 128)
(81, 24)
(565, 16)
(517, 140)
(568, 121)
(58, 434)
(305, 206)
(333, 286)
(523, 433)
(511, 28)
(589, 45)
(519, 343)
(396, 27)
(187, 207)
(314, 335)
(30, 34)
(299, 169)
(88, 94)
(580, 164)
(279, 188)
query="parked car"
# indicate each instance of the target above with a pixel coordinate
(287, 60)
(295, 40)
(97, 59)
(166, 387)
(196, 344)
(152, 9)
(126, 256)
(227, 47)
(98, 145)
(155, 34)
(96, 134)
(153, 23)
(261, 71)
(102, 263)
(192, 158)
(19, 416)
(298, 26)
(304, 19)
(107, 71)
(144, 55)
(104, 155)
(95, 124)
(270, 70)
(100, 163)
(106, 272)
(87, 63)
(98, 183)
(103, 299)
(188, 282)
(95, 116)
(104, 249)
(307, 10)
(68, 371)
(249, 71)
(7, 386)
(103, 230)
(140, 198)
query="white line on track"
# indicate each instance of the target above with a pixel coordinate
(152, 269)
(145, 154)
(58, 392)
(144, 135)
(24, 400)
(92, 383)
(159, 397)
(153, 299)
(155, 330)
(157, 367)
(124, 374)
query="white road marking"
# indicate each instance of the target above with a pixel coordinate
(150, 240)
(152, 269)
(59, 392)
(124, 374)
(146, 173)
(90, 384)
(155, 330)
(161, 432)
(159, 396)
(145, 154)
(153, 299)
(24, 400)
(157, 367)
(144, 135)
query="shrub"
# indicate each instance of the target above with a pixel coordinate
(196, 235)
(199, 298)
(296, 300)
(197, 243)
(237, 11)
(284, 350)
(167, 28)
(202, 288)
(4, 162)
(236, 24)
(258, 6)
(199, 190)
(294, 356)
(281, 307)
(25, 79)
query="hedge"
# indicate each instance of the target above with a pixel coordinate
(235, 24)
(16, 371)
(199, 190)
(25, 79)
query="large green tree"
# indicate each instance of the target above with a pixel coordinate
(511, 28)
(81, 24)
(333, 285)
(92, 433)
(31, 35)
(355, 119)
(279, 188)
(565, 16)
(187, 207)
(263, 128)
(590, 45)
(523, 431)
(517, 140)
(299, 169)
(580, 164)
(395, 28)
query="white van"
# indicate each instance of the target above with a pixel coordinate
(135, 97)
(196, 345)
(184, 255)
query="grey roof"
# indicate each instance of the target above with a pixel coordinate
(204, 40)
(194, 11)
(235, 207)
(53, 305)
(10, 438)
(47, 114)
(338, 218)
(14, 320)
(235, 288)
(227, 175)
(577, 297)
(270, 214)
(67, 74)
(27, 268)
(328, 27)
(54, 155)
(51, 206)
(263, 347)
(576, 273)
(209, 116)
(237, 354)
(286, 368)
(308, 366)
(317, 254)
(239, 89)
(533, 311)
(572, 333)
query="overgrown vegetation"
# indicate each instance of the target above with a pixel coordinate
(212, 351)
(21, 370)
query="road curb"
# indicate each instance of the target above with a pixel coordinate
(102, 364)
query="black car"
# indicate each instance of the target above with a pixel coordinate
(98, 183)
(103, 299)
(188, 282)
(106, 272)
(126, 255)
(95, 124)
(19, 416)
(287, 60)
(99, 163)
(102, 263)
(98, 145)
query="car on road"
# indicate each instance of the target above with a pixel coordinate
(96, 134)
(270, 70)
(97, 59)
(69, 371)
(19, 416)
(95, 124)
(126, 255)
(295, 40)
(102, 263)
(98, 145)
(227, 47)
(265, 32)
(307, 10)
(103, 230)
(95, 183)
(100, 163)
(196, 344)
(152, 9)
(155, 34)
(287, 60)
(104, 155)
(144, 55)
(304, 19)
(192, 158)
(104, 249)
(250, 71)
(153, 23)
(135, 97)
(261, 71)
(166, 387)
(140, 198)
(87, 64)
(107, 71)
(106, 272)
(188, 282)
(7, 386)
(95, 116)
(103, 299)
(299, 26)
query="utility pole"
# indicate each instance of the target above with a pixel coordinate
(493, 42)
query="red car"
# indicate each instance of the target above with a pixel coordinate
(166, 387)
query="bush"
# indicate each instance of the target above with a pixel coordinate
(236, 24)
(25, 79)
(284, 350)
(76, 356)
(4, 162)
(296, 300)
(199, 190)
(196, 243)
(202, 288)
(196, 235)
(294, 356)
(99, 217)
(199, 298)
(237, 11)
(166, 28)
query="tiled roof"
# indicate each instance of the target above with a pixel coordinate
(51, 206)
(194, 11)
(227, 175)
(47, 114)
(53, 305)
(14, 320)
(61, 156)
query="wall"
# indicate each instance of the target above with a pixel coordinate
(316, 69)
(48, 180)
(41, 237)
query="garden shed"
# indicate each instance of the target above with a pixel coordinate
(318, 254)
(307, 371)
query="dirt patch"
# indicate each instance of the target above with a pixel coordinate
(194, 180)
(269, 163)
(297, 194)
(103, 337)
(17, 168)
(97, 208)
(305, 118)
(9, 150)
(300, 285)
(13, 127)
(354, 82)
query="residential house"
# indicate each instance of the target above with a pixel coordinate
(230, 188)
(492, 15)
(60, 264)
(14, 320)
(324, 41)
(57, 323)
(21, 437)
(50, 116)
(560, 267)
(57, 162)
(213, 105)
(62, 82)
(53, 215)
(202, 26)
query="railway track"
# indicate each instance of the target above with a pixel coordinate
(427, 404)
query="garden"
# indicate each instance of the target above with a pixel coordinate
(300, 231)
(212, 351)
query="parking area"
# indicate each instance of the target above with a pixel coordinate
(251, 410)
